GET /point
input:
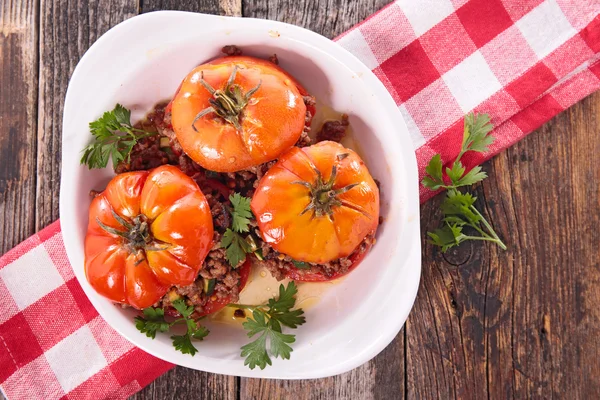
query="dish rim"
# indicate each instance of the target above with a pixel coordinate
(412, 204)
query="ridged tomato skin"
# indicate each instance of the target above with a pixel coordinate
(270, 123)
(281, 200)
(178, 220)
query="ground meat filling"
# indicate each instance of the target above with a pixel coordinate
(280, 264)
(231, 50)
(164, 148)
(333, 130)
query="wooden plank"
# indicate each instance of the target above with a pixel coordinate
(385, 374)
(67, 30)
(330, 18)
(184, 383)
(554, 312)
(221, 7)
(521, 323)
(18, 108)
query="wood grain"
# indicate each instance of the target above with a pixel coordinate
(222, 7)
(486, 324)
(521, 323)
(67, 30)
(18, 120)
(330, 18)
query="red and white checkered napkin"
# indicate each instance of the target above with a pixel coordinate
(53, 344)
(521, 61)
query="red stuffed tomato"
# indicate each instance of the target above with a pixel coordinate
(147, 231)
(236, 112)
(317, 204)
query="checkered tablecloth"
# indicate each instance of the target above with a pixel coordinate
(521, 61)
(53, 344)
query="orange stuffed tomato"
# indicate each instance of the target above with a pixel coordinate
(236, 112)
(147, 231)
(317, 204)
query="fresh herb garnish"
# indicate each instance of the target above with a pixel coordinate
(301, 264)
(114, 137)
(154, 321)
(237, 246)
(266, 321)
(458, 208)
(241, 213)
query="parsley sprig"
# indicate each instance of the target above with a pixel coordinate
(114, 137)
(458, 208)
(154, 321)
(241, 214)
(267, 321)
(475, 138)
(235, 244)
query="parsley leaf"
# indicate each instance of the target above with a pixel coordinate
(266, 321)
(446, 237)
(199, 333)
(183, 308)
(460, 204)
(235, 247)
(183, 343)
(459, 208)
(473, 176)
(434, 169)
(459, 211)
(241, 213)
(475, 138)
(270, 330)
(286, 299)
(456, 172)
(279, 344)
(256, 353)
(154, 321)
(114, 138)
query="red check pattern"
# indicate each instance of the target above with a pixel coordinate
(53, 344)
(521, 61)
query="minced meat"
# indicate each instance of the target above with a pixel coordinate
(279, 264)
(231, 50)
(333, 130)
(216, 267)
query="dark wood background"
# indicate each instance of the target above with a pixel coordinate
(522, 323)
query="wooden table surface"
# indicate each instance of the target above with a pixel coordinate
(487, 323)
